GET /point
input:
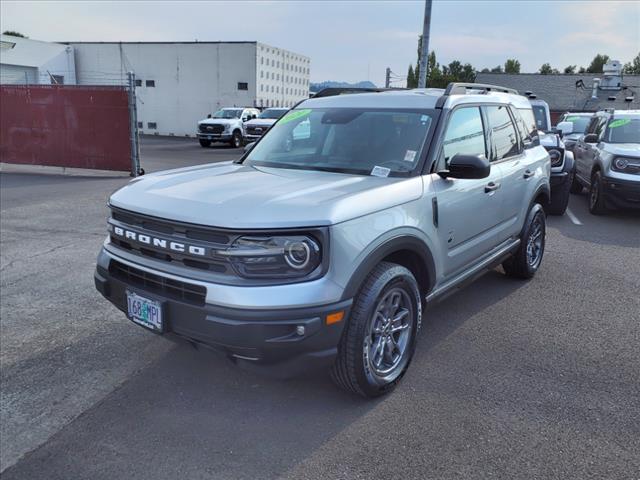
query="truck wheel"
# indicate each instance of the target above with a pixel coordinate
(597, 204)
(378, 342)
(560, 198)
(205, 143)
(527, 259)
(236, 139)
(576, 186)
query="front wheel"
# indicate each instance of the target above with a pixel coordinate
(236, 139)
(527, 259)
(378, 342)
(597, 204)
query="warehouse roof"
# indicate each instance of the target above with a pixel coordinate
(569, 92)
(28, 53)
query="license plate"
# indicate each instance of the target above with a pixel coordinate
(144, 311)
(209, 137)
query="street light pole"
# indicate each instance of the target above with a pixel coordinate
(424, 51)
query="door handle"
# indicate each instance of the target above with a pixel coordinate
(528, 173)
(491, 187)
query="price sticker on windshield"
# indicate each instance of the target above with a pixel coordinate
(410, 156)
(619, 123)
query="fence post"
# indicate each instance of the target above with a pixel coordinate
(133, 126)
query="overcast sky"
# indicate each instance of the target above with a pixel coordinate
(355, 40)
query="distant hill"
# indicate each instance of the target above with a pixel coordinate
(316, 87)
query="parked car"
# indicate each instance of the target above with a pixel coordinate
(608, 161)
(225, 125)
(320, 248)
(255, 128)
(579, 123)
(562, 160)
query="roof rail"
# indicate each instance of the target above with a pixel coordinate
(457, 88)
(333, 91)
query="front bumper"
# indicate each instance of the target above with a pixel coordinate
(622, 193)
(251, 137)
(215, 137)
(267, 339)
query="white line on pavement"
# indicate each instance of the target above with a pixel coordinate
(573, 218)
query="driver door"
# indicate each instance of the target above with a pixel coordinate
(468, 209)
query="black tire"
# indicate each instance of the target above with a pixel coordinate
(205, 143)
(576, 186)
(560, 198)
(597, 205)
(524, 264)
(356, 368)
(236, 139)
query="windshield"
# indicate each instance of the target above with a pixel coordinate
(227, 114)
(623, 130)
(347, 140)
(580, 123)
(273, 113)
(541, 117)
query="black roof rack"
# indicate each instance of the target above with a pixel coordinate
(333, 91)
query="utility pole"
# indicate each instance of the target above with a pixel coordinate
(387, 80)
(133, 126)
(424, 51)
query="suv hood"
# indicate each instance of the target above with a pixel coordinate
(232, 195)
(260, 122)
(626, 149)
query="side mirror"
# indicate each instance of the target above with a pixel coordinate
(249, 146)
(591, 138)
(467, 166)
(556, 131)
(209, 116)
(565, 127)
(244, 119)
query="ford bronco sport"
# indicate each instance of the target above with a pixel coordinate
(608, 160)
(321, 245)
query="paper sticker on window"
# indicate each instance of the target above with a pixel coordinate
(410, 155)
(619, 123)
(380, 171)
(295, 115)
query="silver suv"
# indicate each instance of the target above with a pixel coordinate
(321, 245)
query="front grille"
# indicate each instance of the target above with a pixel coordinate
(157, 284)
(256, 130)
(211, 128)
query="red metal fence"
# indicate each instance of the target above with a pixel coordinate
(65, 126)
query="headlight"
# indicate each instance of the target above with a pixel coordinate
(556, 157)
(274, 257)
(621, 163)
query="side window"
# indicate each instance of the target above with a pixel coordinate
(528, 123)
(464, 134)
(504, 141)
(592, 125)
(600, 127)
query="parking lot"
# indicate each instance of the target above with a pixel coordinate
(511, 379)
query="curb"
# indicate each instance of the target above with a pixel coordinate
(51, 170)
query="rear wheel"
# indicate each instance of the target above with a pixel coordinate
(236, 139)
(597, 204)
(205, 143)
(379, 340)
(527, 259)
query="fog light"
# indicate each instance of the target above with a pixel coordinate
(300, 330)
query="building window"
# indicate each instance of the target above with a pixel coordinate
(150, 83)
(152, 125)
(261, 60)
(243, 86)
(261, 74)
(261, 88)
(57, 79)
(271, 88)
(140, 125)
(138, 82)
(278, 76)
(277, 89)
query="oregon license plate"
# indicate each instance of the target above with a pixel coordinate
(209, 137)
(144, 311)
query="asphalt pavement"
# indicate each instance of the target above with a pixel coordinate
(511, 379)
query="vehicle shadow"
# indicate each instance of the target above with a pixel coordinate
(192, 414)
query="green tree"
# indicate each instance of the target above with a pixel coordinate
(411, 78)
(512, 66)
(497, 69)
(597, 63)
(633, 67)
(485, 70)
(14, 34)
(582, 70)
(570, 70)
(546, 69)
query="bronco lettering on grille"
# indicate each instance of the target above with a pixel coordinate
(159, 242)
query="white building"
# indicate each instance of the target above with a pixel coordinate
(179, 83)
(23, 60)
